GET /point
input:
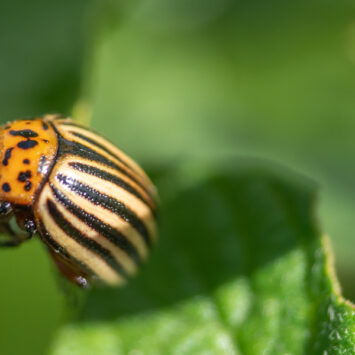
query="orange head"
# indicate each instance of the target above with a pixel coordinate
(27, 150)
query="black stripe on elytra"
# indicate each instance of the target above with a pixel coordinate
(88, 243)
(104, 175)
(7, 156)
(78, 149)
(57, 248)
(108, 232)
(105, 201)
(25, 133)
(102, 147)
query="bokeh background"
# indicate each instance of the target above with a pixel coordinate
(177, 80)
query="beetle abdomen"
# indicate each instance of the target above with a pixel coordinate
(97, 209)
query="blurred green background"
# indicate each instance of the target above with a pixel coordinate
(170, 80)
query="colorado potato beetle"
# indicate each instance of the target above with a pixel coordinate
(92, 206)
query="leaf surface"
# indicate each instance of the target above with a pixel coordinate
(240, 268)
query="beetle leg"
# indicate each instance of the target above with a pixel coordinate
(16, 238)
(10, 243)
(5, 209)
(30, 228)
(5, 215)
(14, 241)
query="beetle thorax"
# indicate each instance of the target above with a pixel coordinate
(27, 151)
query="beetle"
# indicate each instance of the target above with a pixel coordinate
(92, 205)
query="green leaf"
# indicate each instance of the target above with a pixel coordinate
(175, 78)
(40, 68)
(240, 268)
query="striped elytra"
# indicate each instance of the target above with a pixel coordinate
(91, 204)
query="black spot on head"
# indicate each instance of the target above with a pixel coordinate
(28, 186)
(26, 161)
(24, 176)
(27, 144)
(26, 133)
(6, 187)
(28, 122)
(44, 125)
(7, 156)
(45, 140)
